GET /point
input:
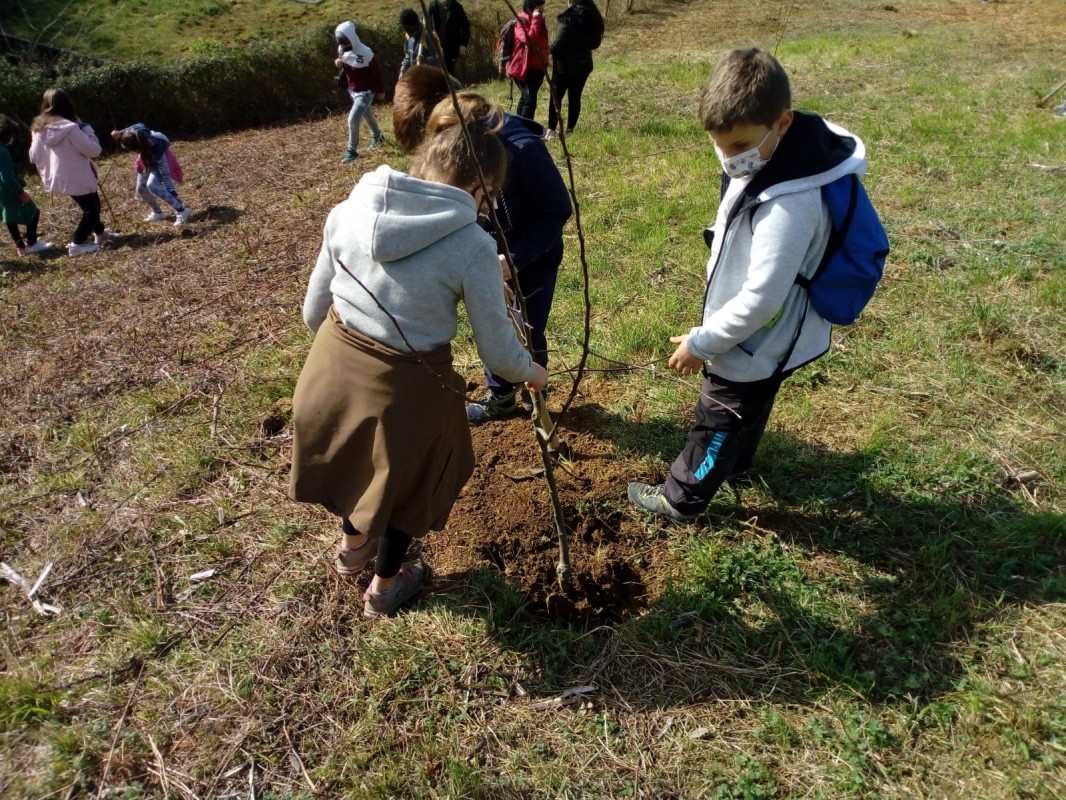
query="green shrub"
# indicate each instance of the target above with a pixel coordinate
(220, 87)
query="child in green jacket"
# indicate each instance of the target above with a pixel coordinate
(16, 207)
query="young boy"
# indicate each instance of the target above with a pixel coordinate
(772, 225)
(365, 84)
(417, 48)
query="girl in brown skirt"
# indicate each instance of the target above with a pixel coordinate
(381, 437)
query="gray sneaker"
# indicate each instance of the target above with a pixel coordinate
(409, 582)
(493, 406)
(653, 499)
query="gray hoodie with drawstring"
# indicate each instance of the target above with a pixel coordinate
(416, 247)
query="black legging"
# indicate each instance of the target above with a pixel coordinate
(392, 547)
(568, 80)
(31, 231)
(90, 217)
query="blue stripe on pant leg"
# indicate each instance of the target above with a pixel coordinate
(709, 457)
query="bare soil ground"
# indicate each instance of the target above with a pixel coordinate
(152, 310)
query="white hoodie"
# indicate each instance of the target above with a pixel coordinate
(360, 55)
(753, 306)
(416, 246)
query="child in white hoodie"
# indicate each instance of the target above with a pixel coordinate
(772, 227)
(365, 83)
(63, 148)
(381, 438)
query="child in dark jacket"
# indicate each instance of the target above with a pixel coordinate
(579, 32)
(154, 178)
(532, 209)
(772, 226)
(16, 207)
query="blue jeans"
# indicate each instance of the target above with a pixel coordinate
(152, 183)
(360, 108)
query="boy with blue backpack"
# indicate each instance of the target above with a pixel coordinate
(784, 265)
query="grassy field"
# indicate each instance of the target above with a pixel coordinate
(169, 28)
(881, 614)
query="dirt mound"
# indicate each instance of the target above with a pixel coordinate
(504, 521)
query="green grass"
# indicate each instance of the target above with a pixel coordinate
(879, 615)
(167, 28)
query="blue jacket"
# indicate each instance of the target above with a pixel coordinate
(535, 204)
(160, 143)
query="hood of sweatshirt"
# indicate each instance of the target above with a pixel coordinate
(56, 131)
(812, 153)
(347, 30)
(399, 216)
(517, 130)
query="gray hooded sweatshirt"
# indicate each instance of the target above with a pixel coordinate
(416, 246)
(778, 227)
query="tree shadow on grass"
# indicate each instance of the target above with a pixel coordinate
(816, 578)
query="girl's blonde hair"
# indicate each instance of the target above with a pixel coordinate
(55, 105)
(444, 154)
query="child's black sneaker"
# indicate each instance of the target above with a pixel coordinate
(492, 406)
(375, 141)
(349, 156)
(653, 499)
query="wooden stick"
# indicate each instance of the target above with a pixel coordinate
(1043, 101)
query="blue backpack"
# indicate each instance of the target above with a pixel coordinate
(854, 258)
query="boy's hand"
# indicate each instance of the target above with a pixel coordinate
(682, 360)
(116, 135)
(338, 62)
(539, 379)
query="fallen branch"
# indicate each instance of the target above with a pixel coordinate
(13, 576)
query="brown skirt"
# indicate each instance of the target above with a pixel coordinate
(380, 437)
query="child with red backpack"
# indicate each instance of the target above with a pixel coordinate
(529, 60)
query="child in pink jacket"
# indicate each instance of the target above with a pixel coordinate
(62, 149)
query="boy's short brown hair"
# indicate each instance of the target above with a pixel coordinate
(747, 86)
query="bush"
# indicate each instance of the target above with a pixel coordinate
(219, 87)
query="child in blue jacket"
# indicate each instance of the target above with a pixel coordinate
(154, 178)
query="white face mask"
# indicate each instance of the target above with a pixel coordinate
(747, 163)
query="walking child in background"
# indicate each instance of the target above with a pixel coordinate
(16, 206)
(379, 437)
(580, 31)
(529, 59)
(365, 83)
(416, 45)
(155, 178)
(63, 148)
(772, 227)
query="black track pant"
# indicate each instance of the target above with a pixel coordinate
(392, 549)
(31, 231)
(730, 420)
(90, 217)
(527, 102)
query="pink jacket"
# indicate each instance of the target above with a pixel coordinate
(63, 152)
